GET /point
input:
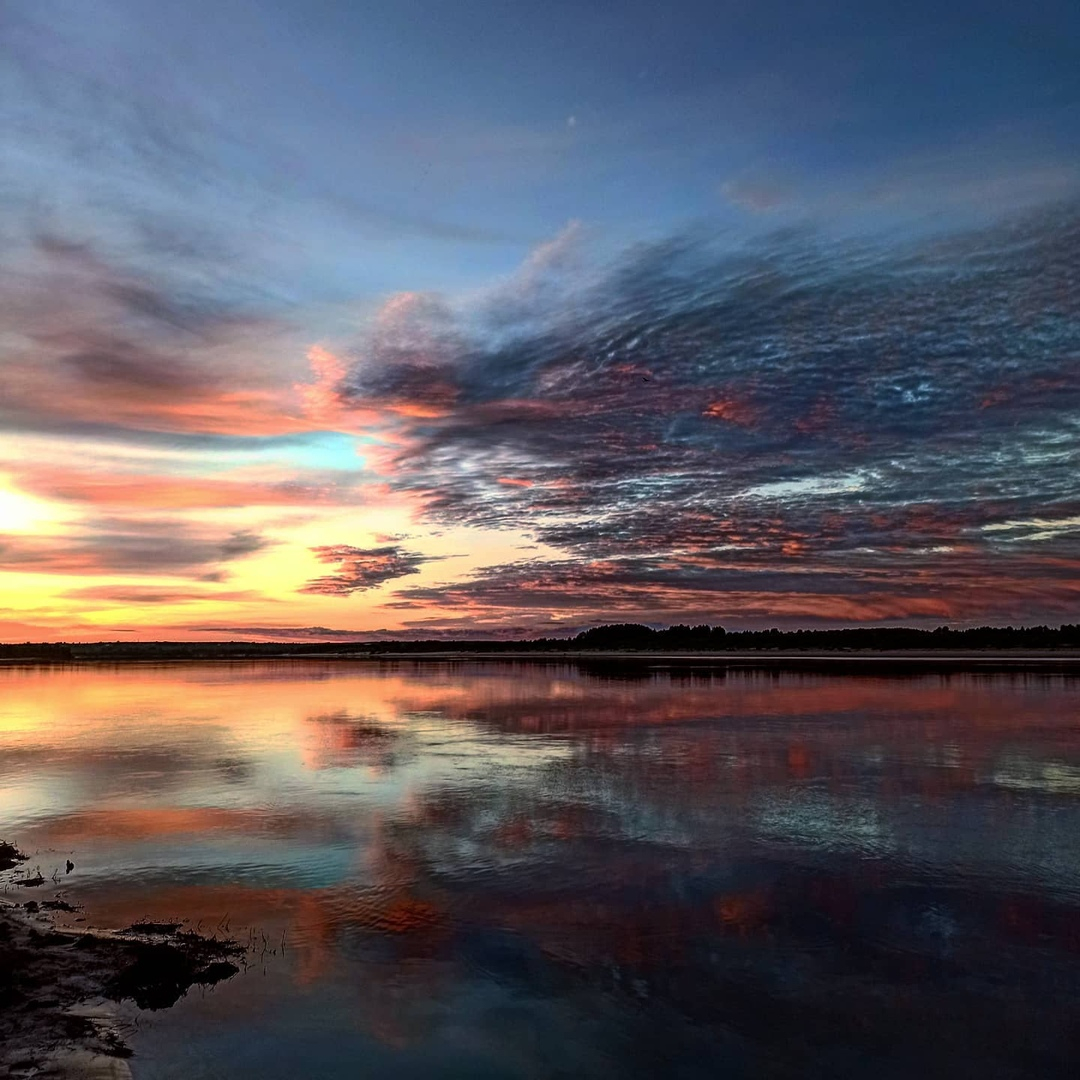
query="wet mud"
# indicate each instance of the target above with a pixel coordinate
(59, 987)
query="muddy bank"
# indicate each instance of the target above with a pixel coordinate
(10, 856)
(59, 986)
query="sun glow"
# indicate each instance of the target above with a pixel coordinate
(21, 513)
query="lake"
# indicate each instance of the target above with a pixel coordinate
(529, 869)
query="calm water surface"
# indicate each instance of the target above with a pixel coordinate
(530, 870)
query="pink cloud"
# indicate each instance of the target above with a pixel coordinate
(165, 492)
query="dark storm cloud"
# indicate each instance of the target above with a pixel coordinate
(359, 569)
(802, 413)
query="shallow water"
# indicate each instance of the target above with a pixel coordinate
(530, 870)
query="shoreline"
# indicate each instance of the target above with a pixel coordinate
(62, 990)
(1065, 660)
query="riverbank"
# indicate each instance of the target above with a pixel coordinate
(861, 662)
(61, 987)
(703, 642)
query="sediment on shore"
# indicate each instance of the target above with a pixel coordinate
(60, 988)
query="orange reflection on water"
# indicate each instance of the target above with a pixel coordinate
(405, 830)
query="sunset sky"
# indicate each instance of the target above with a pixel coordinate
(485, 318)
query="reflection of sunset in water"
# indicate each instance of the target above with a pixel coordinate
(488, 859)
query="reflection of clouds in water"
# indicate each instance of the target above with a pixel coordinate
(293, 846)
(759, 942)
(55, 780)
(814, 819)
(443, 844)
(342, 740)
(1026, 774)
(801, 789)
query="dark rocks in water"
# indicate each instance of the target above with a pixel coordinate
(158, 978)
(45, 973)
(56, 905)
(10, 855)
(153, 928)
(43, 941)
(30, 882)
(70, 867)
(162, 972)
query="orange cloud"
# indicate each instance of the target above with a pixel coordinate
(320, 398)
(177, 492)
(732, 410)
(191, 403)
(242, 412)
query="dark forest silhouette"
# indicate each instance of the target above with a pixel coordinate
(615, 637)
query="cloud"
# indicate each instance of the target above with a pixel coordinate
(129, 546)
(409, 359)
(148, 491)
(154, 594)
(94, 343)
(843, 413)
(360, 569)
(776, 590)
(278, 633)
(434, 629)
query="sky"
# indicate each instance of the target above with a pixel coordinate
(338, 320)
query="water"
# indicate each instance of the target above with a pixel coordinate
(531, 870)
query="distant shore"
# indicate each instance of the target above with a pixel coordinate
(618, 642)
(791, 659)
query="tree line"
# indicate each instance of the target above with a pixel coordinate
(613, 637)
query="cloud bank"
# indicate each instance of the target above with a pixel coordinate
(790, 428)
(800, 426)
